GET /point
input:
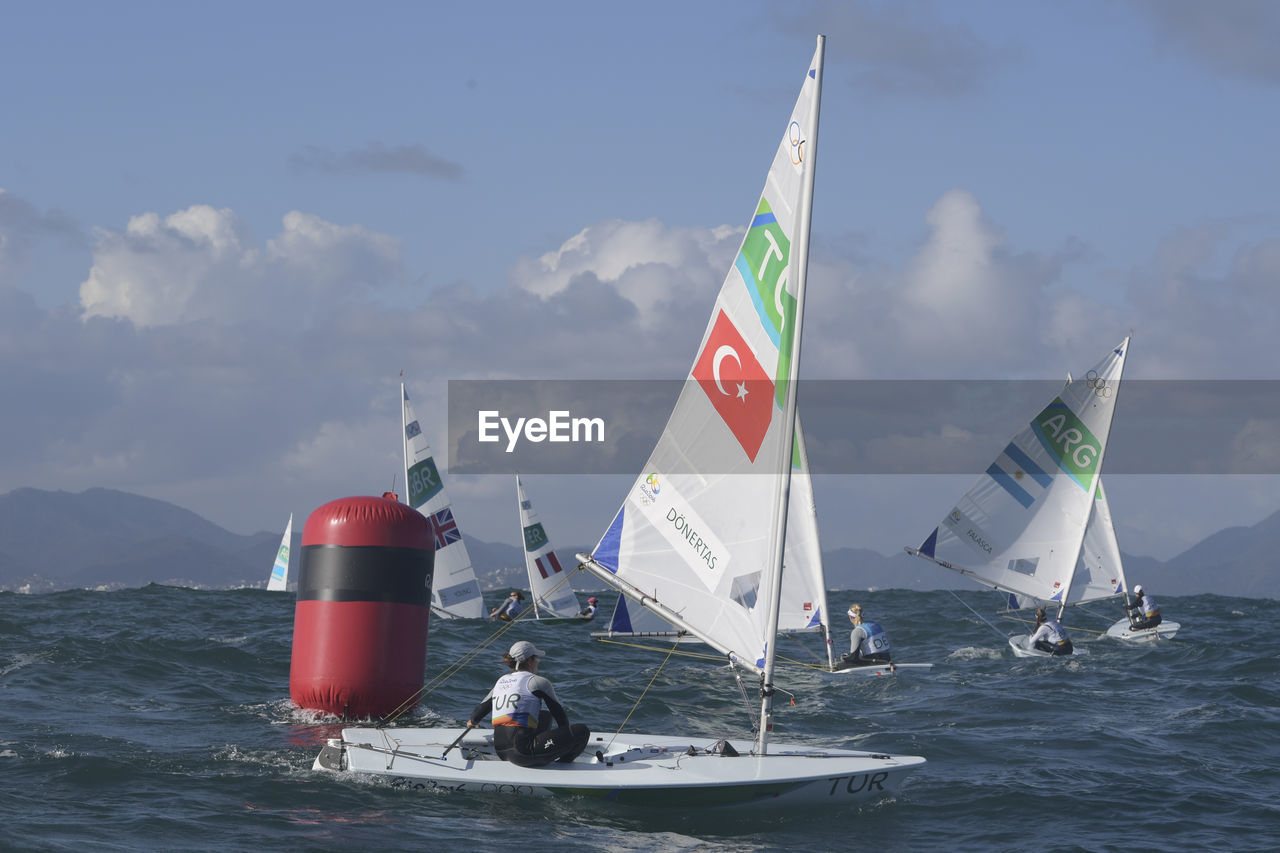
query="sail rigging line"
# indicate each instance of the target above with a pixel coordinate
(675, 649)
(746, 700)
(1068, 627)
(796, 640)
(451, 670)
(979, 615)
(639, 699)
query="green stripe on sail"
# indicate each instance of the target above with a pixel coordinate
(768, 254)
(534, 537)
(1075, 448)
(424, 482)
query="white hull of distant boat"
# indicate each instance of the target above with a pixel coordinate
(1122, 631)
(1021, 645)
(880, 669)
(637, 770)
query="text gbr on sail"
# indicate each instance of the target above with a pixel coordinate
(559, 426)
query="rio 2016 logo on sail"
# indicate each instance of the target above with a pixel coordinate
(650, 489)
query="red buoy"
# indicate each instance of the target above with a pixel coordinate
(364, 598)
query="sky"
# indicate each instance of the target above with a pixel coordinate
(226, 231)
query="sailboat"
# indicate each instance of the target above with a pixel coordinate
(455, 592)
(280, 570)
(718, 524)
(553, 598)
(803, 608)
(1036, 525)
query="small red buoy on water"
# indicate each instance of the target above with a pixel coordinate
(364, 599)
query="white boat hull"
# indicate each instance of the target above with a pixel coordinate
(639, 770)
(1163, 631)
(1021, 645)
(881, 669)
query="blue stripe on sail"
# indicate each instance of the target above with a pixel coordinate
(930, 544)
(606, 553)
(816, 620)
(1007, 483)
(762, 219)
(621, 623)
(749, 279)
(1024, 462)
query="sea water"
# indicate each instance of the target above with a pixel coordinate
(159, 719)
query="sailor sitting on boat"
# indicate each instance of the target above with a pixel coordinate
(868, 643)
(589, 612)
(508, 610)
(522, 734)
(1050, 636)
(1144, 612)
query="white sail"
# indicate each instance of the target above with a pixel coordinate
(454, 591)
(280, 570)
(700, 530)
(804, 593)
(1100, 570)
(1021, 528)
(548, 581)
(804, 582)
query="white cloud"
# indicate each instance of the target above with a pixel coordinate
(646, 263)
(168, 386)
(202, 264)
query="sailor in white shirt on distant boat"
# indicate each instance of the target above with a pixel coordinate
(1050, 636)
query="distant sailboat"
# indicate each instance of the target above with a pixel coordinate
(280, 571)
(548, 582)
(1037, 524)
(455, 592)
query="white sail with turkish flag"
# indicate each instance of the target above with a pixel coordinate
(698, 533)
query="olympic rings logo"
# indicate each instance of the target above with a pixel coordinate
(1099, 385)
(797, 144)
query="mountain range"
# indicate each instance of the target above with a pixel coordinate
(107, 539)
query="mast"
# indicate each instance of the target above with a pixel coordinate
(1097, 482)
(404, 439)
(777, 535)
